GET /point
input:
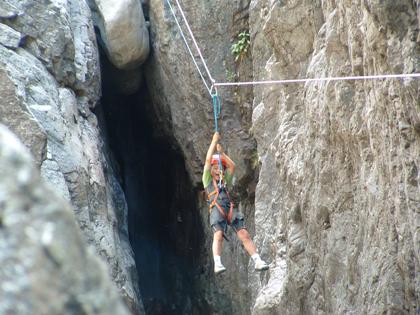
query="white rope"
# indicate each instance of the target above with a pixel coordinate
(286, 81)
(195, 42)
(188, 47)
(348, 78)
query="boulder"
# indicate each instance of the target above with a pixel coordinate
(123, 31)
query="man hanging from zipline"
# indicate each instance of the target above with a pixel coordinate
(217, 177)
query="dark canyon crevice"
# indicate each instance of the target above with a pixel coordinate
(165, 229)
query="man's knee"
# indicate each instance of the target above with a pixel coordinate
(242, 234)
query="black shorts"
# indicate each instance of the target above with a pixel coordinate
(219, 223)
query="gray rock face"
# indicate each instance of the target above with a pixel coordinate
(49, 83)
(62, 40)
(337, 206)
(9, 37)
(183, 106)
(20, 121)
(337, 211)
(46, 267)
(178, 91)
(123, 31)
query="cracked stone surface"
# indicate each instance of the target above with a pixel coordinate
(46, 265)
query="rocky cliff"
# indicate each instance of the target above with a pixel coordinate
(327, 171)
(343, 157)
(336, 206)
(46, 267)
(50, 83)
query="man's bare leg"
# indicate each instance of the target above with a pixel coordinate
(249, 245)
(217, 243)
(217, 251)
(243, 235)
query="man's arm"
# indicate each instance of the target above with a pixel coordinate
(230, 165)
(210, 151)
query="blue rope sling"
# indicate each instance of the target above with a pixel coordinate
(216, 110)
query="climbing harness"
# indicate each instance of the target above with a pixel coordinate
(212, 196)
(213, 202)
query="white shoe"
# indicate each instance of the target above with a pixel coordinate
(219, 268)
(261, 265)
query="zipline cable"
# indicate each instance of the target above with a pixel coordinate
(269, 82)
(188, 47)
(214, 84)
(215, 97)
(305, 80)
(195, 42)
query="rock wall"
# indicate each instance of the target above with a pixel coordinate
(336, 206)
(50, 83)
(327, 171)
(182, 102)
(183, 108)
(339, 160)
(46, 267)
